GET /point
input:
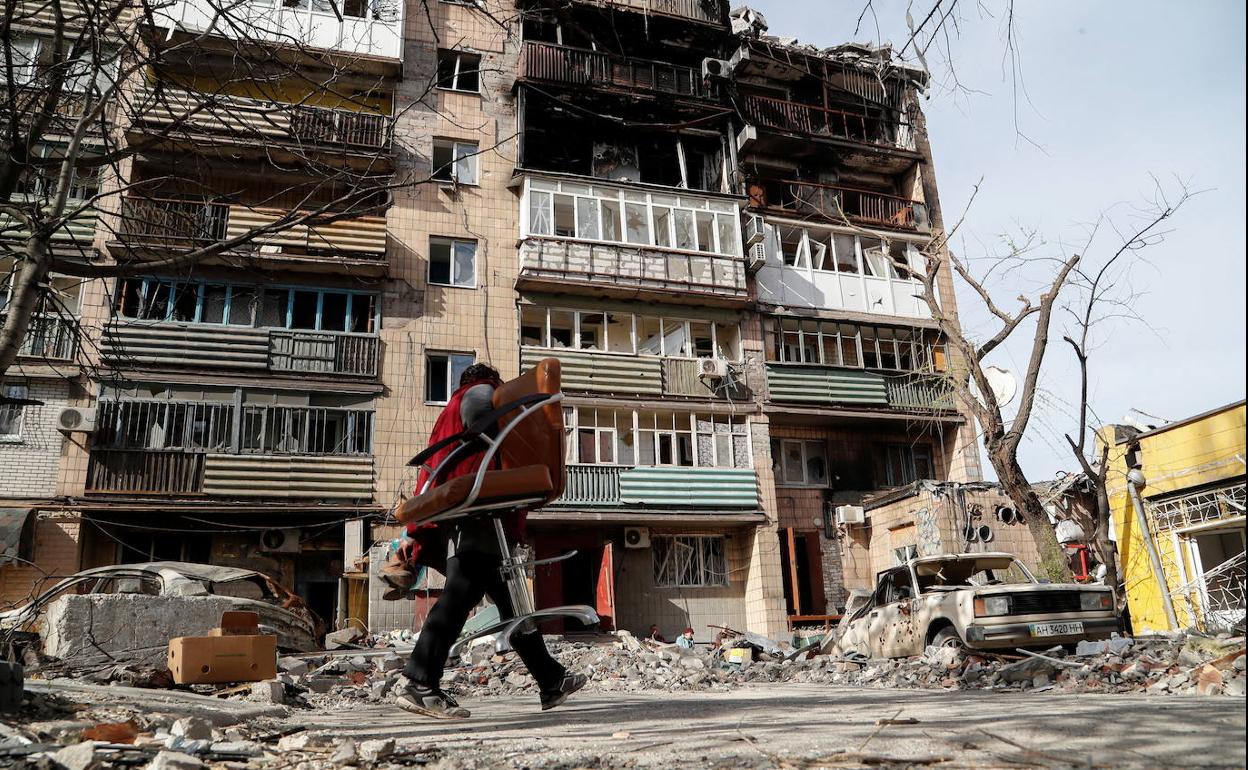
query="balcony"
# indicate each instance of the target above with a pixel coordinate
(248, 120)
(142, 472)
(75, 237)
(704, 11)
(590, 372)
(165, 224)
(825, 123)
(141, 344)
(804, 199)
(659, 487)
(813, 385)
(371, 31)
(49, 338)
(628, 240)
(581, 67)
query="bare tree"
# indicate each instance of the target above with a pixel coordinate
(135, 142)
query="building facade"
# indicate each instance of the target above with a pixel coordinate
(718, 234)
(1189, 494)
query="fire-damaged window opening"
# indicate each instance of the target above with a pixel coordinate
(857, 346)
(689, 561)
(906, 464)
(459, 71)
(800, 463)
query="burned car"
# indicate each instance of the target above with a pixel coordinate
(975, 600)
(128, 608)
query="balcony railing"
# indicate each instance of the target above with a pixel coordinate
(804, 198)
(145, 471)
(185, 224)
(707, 11)
(813, 120)
(920, 393)
(660, 487)
(578, 66)
(249, 119)
(131, 344)
(323, 352)
(49, 338)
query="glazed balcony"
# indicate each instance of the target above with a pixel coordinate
(629, 241)
(248, 120)
(826, 123)
(362, 30)
(616, 486)
(580, 67)
(162, 225)
(75, 237)
(147, 345)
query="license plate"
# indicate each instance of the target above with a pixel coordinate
(1057, 629)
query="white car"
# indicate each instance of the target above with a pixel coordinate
(974, 600)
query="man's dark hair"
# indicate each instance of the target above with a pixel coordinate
(479, 373)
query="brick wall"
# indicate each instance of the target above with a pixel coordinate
(55, 550)
(28, 466)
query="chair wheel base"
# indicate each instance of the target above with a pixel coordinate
(507, 628)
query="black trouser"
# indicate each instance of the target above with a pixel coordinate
(469, 577)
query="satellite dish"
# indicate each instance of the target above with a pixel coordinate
(1003, 383)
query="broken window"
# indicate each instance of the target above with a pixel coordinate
(452, 262)
(442, 373)
(800, 463)
(906, 464)
(11, 413)
(459, 71)
(689, 561)
(455, 161)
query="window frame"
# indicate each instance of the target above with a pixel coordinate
(675, 426)
(458, 69)
(452, 245)
(686, 352)
(708, 550)
(928, 353)
(16, 412)
(453, 176)
(451, 383)
(908, 457)
(803, 447)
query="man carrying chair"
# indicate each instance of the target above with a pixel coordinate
(490, 460)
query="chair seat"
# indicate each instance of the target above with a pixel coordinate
(521, 483)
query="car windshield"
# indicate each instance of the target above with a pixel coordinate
(965, 572)
(1012, 575)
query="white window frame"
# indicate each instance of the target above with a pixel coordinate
(673, 424)
(453, 245)
(16, 412)
(539, 198)
(465, 156)
(452, 382)
(803, 448)
(25, 65)
(633, 325)
(459, 58)
(697, 553)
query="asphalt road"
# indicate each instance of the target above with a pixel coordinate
(793, 725)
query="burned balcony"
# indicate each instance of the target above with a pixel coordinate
(161, 225)
(827, 123)
(579, 67)
(703, 11)
(219, 449)
(805, 199)
(176, 113)
(626, 241)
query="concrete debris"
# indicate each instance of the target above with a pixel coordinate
(79, 756)
(175, 760)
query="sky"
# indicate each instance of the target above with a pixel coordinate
(1115, 99)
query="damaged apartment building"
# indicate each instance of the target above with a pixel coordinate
(716, 231)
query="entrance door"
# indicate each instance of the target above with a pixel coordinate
(605, 604)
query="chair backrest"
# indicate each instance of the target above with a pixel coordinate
(538, 439)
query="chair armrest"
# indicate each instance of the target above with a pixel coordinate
(487, 420)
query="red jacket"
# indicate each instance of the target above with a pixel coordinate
(430, 540)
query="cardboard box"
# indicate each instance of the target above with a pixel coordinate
(739, 655)
(229, 654)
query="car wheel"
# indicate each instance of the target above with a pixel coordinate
(948, 637)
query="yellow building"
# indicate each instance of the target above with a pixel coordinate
(1192, 500)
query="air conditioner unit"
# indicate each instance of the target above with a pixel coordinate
(850, 514)
(755, 230)
(713, 367)
(636, 537)
(76, 419)
(716, 68)
(755, 257)
(279, 541)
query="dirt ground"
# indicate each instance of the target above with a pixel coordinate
(806, 725)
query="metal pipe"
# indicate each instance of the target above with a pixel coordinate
(1135, 482)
